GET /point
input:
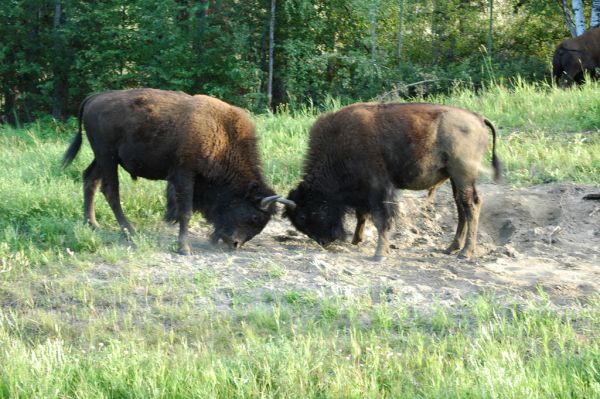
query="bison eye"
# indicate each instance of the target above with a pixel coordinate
(254, 218)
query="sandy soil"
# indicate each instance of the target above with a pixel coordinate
(530, 239)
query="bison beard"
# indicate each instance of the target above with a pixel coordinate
(204, 148)
(360, 154)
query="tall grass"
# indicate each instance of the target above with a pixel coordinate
(338, 349)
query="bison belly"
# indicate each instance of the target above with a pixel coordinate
(418, 173)
(146, 161)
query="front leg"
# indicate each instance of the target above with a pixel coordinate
(183, 184)
(384, 208)
(383, 240)
(359, 233)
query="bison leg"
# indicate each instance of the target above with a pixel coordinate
(461, 231)
(91, 181)
(382, 225)
(171, 213)
(359, 233)
(431, 196)
(183, 186)
(472, 206)
(110, 189)
(383, 212)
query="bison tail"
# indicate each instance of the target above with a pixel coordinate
(72, 150)
(76, 143)
(495, 160)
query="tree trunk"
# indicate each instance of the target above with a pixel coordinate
(399, 43)
(491, 29)
(579, 19)
(437, 16)
(595, 15)
(271, 48)
(568, 19)
(59, 68)
(373, 9)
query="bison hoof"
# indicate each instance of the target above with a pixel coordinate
(465, 255)
(378, 258)
(185, 251)
(128, 232)
(93, 225)
(451, 250)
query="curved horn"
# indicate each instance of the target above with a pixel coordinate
(267, 201)
(287, 202)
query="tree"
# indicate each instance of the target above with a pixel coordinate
(271, 49)
(574, 18)
(595, 14)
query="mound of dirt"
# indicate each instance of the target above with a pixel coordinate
(542, 238)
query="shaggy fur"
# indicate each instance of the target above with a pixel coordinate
(575, 57)
(360, 154)
(206, 150)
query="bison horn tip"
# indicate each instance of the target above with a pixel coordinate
(287, 202)
(267, 201)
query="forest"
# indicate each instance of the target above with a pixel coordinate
(54, 53)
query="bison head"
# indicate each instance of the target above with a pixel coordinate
(239, 220)
(236, 217)
(315, 215)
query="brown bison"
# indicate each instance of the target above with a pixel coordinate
(206, 150)
(358, 155)
(575, 57)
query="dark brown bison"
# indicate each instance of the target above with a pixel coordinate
(358, 155)
(575, 57)
(206, 150)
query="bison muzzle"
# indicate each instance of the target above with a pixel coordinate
(360, 154)
(205, 149)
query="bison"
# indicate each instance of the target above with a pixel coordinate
(577, 57)
(205, 148)
(358, 155)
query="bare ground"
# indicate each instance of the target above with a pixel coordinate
(537, 241)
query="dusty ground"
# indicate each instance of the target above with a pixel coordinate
(542, 237)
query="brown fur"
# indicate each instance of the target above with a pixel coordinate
(575, 57)
(358, 155)
(201, 145)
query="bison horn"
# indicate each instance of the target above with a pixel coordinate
(267, 201)
(287, 202)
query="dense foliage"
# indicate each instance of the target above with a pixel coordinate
(54, 53)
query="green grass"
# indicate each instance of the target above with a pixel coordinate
(82, 314)
(339, 349)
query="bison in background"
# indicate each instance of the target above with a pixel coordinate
(576, 57)
(206, 150)
(358, 155)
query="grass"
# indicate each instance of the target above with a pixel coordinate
(342, 348)
(86, 313)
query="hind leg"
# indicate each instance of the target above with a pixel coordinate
(91, 181)
(359, 233)
(110, 189)
(461, 231)
(472, 205)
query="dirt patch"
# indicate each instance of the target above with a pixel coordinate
(542, 238)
